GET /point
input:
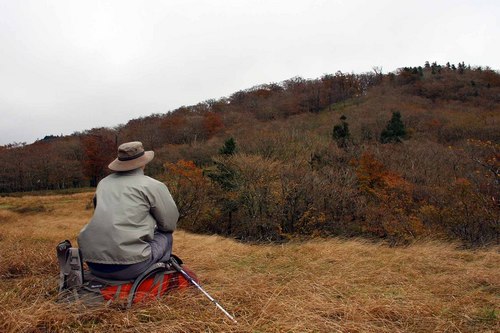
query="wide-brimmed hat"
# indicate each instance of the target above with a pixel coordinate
(131, 155)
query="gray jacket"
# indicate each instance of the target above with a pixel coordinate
(129, 205)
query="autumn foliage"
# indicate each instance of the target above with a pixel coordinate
(192, 193)
(96, 150)
(392, 210)
(415, 155)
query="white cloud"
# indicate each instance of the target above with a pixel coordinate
(73, 65)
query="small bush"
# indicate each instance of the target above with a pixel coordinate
(32, 209)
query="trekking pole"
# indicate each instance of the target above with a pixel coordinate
(190, 279)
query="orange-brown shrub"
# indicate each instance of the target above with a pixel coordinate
(193, 195)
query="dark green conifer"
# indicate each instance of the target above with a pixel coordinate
(395, 130)
(229, 147)
(341, 133)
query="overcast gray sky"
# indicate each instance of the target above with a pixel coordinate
(67, 66)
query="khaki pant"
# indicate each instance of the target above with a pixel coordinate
(161, 249)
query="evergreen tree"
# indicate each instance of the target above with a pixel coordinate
(341, 133)
(223, 175)
(395, 130)
(420, 71)
(461, 68)
(229, 147)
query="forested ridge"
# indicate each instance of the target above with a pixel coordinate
(404, 155)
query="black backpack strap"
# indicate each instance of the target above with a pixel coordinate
(70, 266)
(158, 267)
(75, 262)
(62, 253)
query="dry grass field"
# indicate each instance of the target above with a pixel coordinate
(315, 286)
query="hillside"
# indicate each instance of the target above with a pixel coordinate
(322, 285)
(401, 156)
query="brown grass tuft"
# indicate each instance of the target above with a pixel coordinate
(316, 286)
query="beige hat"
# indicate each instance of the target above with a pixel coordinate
(131, 155)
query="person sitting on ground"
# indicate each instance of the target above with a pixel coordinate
(134, 218)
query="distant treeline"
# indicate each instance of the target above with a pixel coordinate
(81, 159)
(403, 155)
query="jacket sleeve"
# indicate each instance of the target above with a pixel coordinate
(163, 208)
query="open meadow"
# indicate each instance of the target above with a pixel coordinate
(323, 285)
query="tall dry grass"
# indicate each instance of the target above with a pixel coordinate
(316, 286)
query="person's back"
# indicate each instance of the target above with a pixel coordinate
(133, 221)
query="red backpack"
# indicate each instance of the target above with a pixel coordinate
(75, 284)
